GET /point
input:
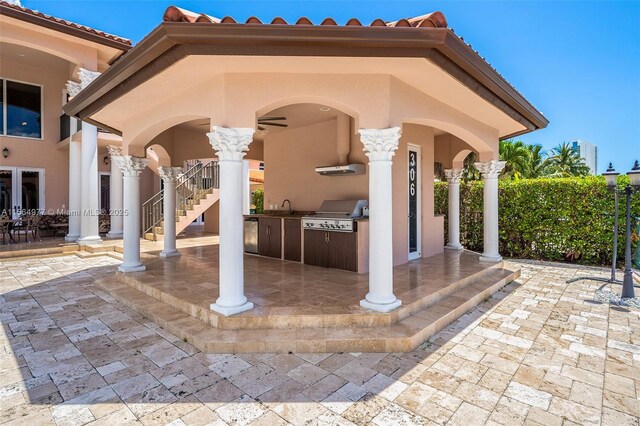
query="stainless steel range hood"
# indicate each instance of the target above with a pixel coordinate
(349, 169)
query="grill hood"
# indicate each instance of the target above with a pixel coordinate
(349, 169)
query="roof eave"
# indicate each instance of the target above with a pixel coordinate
(66, 29)
(184, 39)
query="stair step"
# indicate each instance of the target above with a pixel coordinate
(403, 336)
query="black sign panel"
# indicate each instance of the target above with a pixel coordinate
(413, 201)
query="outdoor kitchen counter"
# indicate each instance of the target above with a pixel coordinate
(284, 238)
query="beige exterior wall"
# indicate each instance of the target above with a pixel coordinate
(290, 159)
(27, 152)
(37, 55)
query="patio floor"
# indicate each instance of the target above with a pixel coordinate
(539, 352)
(305, 308)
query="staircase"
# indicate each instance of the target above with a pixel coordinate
(196, 191)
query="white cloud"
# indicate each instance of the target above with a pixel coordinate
(16, 2)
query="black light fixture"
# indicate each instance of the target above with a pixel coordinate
(5, 152)
(611, 177)
(105, 160)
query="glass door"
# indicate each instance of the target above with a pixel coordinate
(21, 190)
(8, 189)
(415, 213)
(31, 190)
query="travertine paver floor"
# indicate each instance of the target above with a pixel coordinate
(538, 352)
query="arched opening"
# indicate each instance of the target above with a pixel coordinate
(300, 137)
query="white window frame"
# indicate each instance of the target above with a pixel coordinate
(3, 131)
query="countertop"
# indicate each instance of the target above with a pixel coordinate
(277, 214)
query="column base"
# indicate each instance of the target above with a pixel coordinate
(173, 253)
(493, 258)
(92, 239)
(387, 307)
(226, 311)
(114, 235)
(454, 247)
(71, 238)
(132, 268)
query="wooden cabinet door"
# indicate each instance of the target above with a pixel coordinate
(292, 244)
(316, 249)
(275, 238)
(263, 236)
(343, 251)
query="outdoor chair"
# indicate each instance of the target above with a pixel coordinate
(5, 222)
(21, 228)
(33, 225)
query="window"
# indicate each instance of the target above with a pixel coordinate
(21, 109)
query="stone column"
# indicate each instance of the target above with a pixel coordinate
(490, 172)
(246, 187)
(89, 178)
(75, 200)
(380, 146)
(453, 178)
(230, 145)
(115, 194)
(169, 176)
(131, 168)
(90, 186)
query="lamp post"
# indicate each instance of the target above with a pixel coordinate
(634, 177)
(611, 177)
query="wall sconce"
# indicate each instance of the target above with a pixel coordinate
(5, 152)
(105, 160)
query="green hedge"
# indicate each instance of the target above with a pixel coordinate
(568, 219)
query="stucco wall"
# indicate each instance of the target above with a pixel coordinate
(290, 159)
(25, 152)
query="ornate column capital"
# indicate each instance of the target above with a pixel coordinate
(169, 174)
(453, 175)
(114, 150)
(86, 76)
(490, 169)
(73, 88)
(380, 144)
(131, 166)
(230, 143)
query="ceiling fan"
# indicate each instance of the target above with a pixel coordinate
(269, 121)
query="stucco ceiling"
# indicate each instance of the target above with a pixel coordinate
(27, 55)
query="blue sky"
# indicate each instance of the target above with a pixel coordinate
(577, 62)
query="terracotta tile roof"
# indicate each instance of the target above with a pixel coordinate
(431, 20)
(62, 22)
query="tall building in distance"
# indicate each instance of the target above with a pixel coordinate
(588, 152)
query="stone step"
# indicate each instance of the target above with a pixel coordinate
(403, 336)
(326, 317)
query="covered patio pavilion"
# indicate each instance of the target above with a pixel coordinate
(392, 89)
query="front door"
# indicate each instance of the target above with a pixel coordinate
(415, 213)
(21, 190)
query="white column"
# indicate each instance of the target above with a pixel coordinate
(246, 188)
(453, 178)
(380, 146)
(490, 172)
(90, 185)
(169, 176)
(230, 145)
(89, 178)
(75, 201)
(131, 168)
(115, 195)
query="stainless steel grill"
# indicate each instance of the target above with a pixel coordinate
(335, 215)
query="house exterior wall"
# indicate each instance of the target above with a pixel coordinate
(41, 153)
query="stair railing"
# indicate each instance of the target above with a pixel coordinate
(191, 187)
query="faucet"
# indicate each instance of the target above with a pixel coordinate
(287, 201)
